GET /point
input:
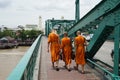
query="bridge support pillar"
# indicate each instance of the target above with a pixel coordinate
(77, 9)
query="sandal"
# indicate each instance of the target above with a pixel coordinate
(69, 70)
(57, 69)
(83, 72)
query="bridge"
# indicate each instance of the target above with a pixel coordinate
(102, 21)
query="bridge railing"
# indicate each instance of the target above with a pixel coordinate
(25, 68)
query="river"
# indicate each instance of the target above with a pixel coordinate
(9, 59)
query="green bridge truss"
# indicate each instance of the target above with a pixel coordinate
(104, 22)
(60, 25)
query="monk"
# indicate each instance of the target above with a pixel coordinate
(54, 42)
(80, 44)
(66, 50)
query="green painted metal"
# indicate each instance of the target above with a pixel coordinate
(95, 15)
(46, 28)
(25, 68)
(113, 76)
(98, 39)
(116, 50)
(105, 28)
(60, 25)
(77, 14)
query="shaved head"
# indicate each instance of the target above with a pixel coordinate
(78, 33)
(65, 34)
(53, 30)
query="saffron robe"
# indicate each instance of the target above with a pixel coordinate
(80, 50)
(66, 49)
(54, 41)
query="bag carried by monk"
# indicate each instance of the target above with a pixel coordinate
(60, 55)
(72, 55)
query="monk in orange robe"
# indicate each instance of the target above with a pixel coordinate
(54, 42)
(80, 43)
(66, 49)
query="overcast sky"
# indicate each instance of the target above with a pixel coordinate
(22, 12)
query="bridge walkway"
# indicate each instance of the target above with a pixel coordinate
(46, 71)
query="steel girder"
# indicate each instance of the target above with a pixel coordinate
(95, 14)
(63, 24)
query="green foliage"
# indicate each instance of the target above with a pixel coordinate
(26, 34)
(7, 33)
(23, 34)
(1, 34)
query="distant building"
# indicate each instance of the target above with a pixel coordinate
(40, 23)
(62, 17)
(17, 29)
(31, 27)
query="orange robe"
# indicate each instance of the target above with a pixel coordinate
(53, 39)
(67, 49)
(80, 50)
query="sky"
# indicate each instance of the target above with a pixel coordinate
(22, 12)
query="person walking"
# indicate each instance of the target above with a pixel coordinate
(66, 50)
(54, 43)
(80, 44)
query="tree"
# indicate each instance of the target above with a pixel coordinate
(6, 33)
